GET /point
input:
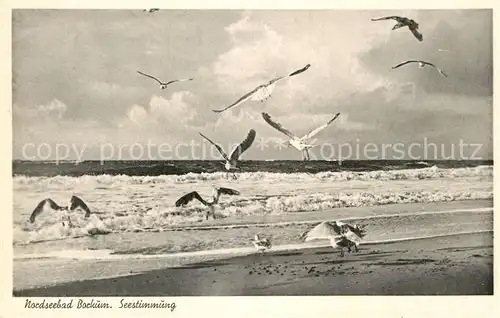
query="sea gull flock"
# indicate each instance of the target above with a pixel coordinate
(341, 235)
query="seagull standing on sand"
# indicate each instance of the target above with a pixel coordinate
(298, 143)
(340, 234)
(216, 193)
(402, 22)
(262, 92)
(261, 244)
(162, 84)
(232, 160)
(49, 204)
(421, 64)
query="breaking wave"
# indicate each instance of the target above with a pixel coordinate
(433, 172)
(144, 203)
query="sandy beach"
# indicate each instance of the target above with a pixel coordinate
(450, 265)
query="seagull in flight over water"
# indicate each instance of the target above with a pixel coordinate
(262, 92)
(261, 244)
(49, 204)
(216, 193)
(298, 142)
(232, 160)
(162, 84)
(402, 22)
(421, 64)
(340, 234)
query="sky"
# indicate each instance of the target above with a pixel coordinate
(77, 95)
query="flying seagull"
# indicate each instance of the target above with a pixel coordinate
(402, 22)
(262, 92)
(49, 204)
(162, 84)
(151, 10)
(232, 160)
(420, 65)
(216, 193)
(261, 244)
(340, 234)
(298, 142)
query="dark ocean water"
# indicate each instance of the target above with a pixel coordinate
(156, 168)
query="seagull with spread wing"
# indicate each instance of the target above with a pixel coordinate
(402, 22)
(164, 85)
(151, 10)
(49, 205)
(262, 92)
(421, 64)
(232, 160)
(298, 142)
(340, 234)
(261, 243)
(210, 203)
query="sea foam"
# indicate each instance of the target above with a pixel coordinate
(130, 203)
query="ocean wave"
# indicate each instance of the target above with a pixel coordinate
(161, 218)
(22, 182)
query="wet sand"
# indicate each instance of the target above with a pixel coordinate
(451, 265)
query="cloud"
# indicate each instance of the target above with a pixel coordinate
(261, 51)
(51, 111)
(254, 47)
(174, 116)
(68, 90)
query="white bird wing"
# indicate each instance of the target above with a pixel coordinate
(276, 80)
(351, 236)
(392, 17)
(243, 146)
(277, 126)
(152, 77)
(180, 80)
(417, 34)
(221, 151)
(76, 202)
(185, 199)
(241, 100)
(314, 132)
(324, 230)
(40, 208)
(227, 191)
(442, 72)
(405, 62)
(437, 68)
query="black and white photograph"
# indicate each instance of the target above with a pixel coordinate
(240, 152)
